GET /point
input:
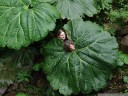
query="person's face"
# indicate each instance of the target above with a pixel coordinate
(62, 35)
(72, 47)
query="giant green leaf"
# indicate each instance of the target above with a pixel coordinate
(73, 9)
(11, 62)
(88, 67)
(25, 21)
(51, 92)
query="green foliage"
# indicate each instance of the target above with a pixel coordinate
(125, 79)
(87, 67)
(23, 76)
(22, 22)
(21, 94)
(12, 61)
(51, 92)
(104, 4)
(36, 67)
(73, 9)
(120, 13)
(123, 58)
(119, 3)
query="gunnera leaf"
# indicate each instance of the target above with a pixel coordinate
(25, 21)
(11, 62)
(73, 9)
(88, 67)
(51, 92)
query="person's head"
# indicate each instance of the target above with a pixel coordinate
(69, 45)
(61, 34)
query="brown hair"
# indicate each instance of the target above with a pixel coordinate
(59, 32)
(67, 45)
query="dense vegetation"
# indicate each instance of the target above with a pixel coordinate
(34, 61)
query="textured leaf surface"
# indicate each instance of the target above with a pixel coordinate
(25, 21)
(88, 67)
(73, 9)
(51, 92)
(12, 61)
